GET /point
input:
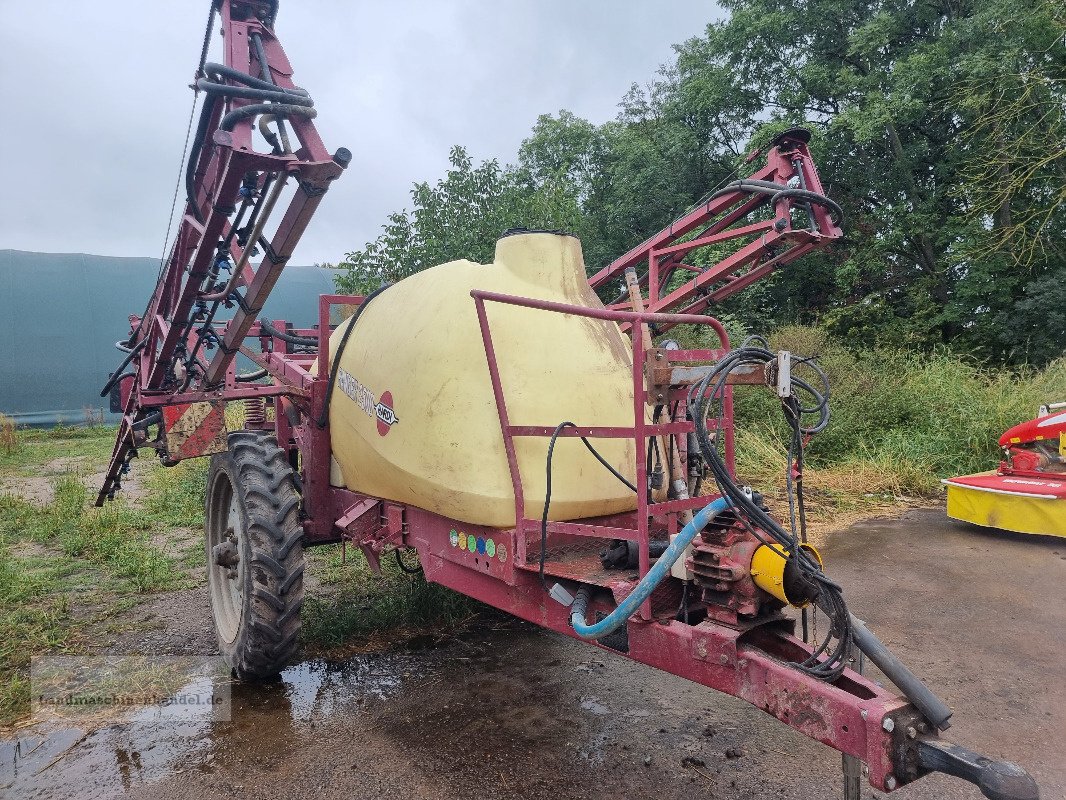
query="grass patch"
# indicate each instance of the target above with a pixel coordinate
(50, 600)
(68, 570)
(114, 536)
(360, 610)
(33, 447)
(175, 495)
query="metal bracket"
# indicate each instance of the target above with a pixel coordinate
(784, 373)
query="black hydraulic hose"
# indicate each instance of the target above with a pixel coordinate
(260, 54)
(245, 377)
(323, 418)
(836, 212)
(232, 74)
(932, 707)
(230, 120)
(302, 341)
(206, 110)
(153, 418)
(759, 522)
(292, 98)
(778, 191)
(264, 68)
(244, 92)
(116, 376)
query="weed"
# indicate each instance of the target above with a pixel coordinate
(93, 417)
(9, 442)
(361, 605)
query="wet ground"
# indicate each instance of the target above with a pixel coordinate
(509, 711)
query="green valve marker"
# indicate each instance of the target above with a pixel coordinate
(471, 543)
(453, 538)
(490, 548)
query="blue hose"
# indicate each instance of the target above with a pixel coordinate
(660, 569)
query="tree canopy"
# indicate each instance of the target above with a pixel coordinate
(938, 126)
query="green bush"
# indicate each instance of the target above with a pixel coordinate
(922, 417)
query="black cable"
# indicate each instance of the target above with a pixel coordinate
(548, 487)
(403, 567)
(610, 469)
(323, 418)
(829, 596)
(302, 341)
(116, 376)
(208, 29)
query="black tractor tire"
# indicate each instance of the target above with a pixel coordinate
(255, 561)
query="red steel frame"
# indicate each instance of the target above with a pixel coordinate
(765, 244)
(848, 714)
(222, 165)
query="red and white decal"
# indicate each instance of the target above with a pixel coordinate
(195, 429)
(383, 410)
(385, 413)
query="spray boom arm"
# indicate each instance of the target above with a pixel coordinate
(774, 217)
(231, 191)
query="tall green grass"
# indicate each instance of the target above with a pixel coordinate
(116, 536)
(905, 418)
(359, 606)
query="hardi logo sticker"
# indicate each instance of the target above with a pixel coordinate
(385, 413)
(363, 397)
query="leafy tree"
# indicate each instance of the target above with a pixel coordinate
(938, 125)
(461, 216)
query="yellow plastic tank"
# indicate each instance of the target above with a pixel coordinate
(413, 418)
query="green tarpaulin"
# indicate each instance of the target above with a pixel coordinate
(61, 314)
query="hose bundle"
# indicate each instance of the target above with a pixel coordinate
(830, 655)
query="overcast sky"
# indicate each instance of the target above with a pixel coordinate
(95, 100)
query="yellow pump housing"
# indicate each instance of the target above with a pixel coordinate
(413, 417)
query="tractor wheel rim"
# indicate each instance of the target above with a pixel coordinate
(227, 583)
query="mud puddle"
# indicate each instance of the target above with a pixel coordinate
(109, 757)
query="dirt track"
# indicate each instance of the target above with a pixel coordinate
(510, 711)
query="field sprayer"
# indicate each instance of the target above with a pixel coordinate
(454, 413)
